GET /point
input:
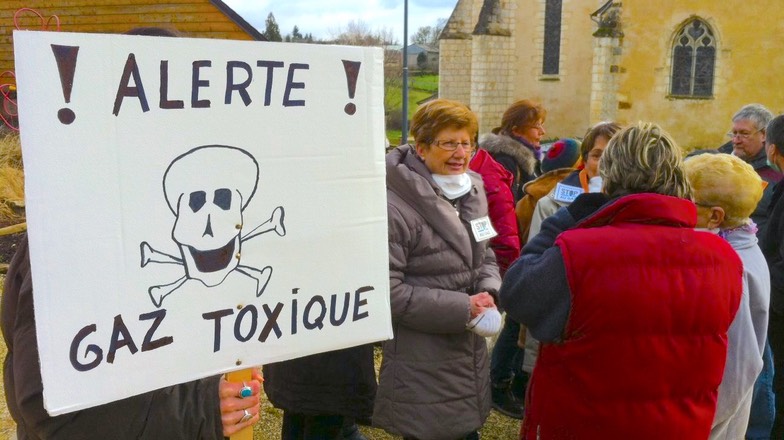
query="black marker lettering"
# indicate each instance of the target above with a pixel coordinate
(272, 322)
(217, 316)
(346, 300)
(294, 311)
(270, 65)
(148, 344)
(198, 83)
(92, 348)
(290, 84)
(116, 343)
(254, 313)
(360, 302)
(242, 87)
(131, 69)
(319, 321)
(164, 101)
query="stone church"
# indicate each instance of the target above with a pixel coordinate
(685, 64)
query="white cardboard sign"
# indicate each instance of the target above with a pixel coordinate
(198, 206)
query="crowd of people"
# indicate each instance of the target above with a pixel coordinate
(634, 293)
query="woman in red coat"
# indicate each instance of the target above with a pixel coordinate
(500, 204)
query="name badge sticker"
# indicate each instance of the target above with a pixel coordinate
(566, 193)
(483, 229)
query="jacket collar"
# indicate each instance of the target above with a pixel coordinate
(742, 237)
(645, 208)
(496, 144)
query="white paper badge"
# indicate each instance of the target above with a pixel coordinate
(483, 229)
(566, 193)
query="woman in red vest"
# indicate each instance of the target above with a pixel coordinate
(630, 303)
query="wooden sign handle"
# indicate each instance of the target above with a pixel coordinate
(241, 376)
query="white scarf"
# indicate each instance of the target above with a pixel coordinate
(453, 185)
(595, 184)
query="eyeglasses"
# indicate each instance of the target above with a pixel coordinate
(539, 126)
(741, 134)
(452, 145)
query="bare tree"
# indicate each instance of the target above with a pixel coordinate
(428, 35)
(359, 33)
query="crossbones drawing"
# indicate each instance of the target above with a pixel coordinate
(207, 190)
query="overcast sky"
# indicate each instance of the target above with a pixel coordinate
(325, 18)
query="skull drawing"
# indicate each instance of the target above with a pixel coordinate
(207, 190)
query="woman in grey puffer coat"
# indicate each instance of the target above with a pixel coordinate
(434, 380)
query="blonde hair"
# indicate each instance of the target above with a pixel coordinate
(438, 114)
(726, 181)
(643, 158)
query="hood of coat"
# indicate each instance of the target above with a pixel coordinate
(500, 144)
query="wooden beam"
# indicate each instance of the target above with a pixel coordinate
(13, 229)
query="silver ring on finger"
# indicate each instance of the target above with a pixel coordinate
(246, 416)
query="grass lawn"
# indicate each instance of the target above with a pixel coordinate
(420, 88)
(395, 98)
(428, 83)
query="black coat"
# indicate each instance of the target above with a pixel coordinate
(189, 411)
(772, 245)
(341, 382)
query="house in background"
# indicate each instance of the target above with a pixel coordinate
(194, 18)
(685, 64)
(422, 57)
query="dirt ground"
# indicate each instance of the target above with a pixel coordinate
(8, 245)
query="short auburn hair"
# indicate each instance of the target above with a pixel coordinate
(438, 114)
(522, 113)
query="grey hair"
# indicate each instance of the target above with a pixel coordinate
(756, 113)
(643, 158)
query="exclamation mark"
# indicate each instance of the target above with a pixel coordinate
(352, 72)
(66, 65)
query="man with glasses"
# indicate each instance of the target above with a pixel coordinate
(747, 141)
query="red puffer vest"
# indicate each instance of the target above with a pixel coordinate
(644, 348)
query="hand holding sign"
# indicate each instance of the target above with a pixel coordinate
(239, 412)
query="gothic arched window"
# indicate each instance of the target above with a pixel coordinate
(693, 60)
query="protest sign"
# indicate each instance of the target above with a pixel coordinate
(198, 206)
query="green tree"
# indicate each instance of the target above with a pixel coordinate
(296, 35)
(422, 60)
(271, 29)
